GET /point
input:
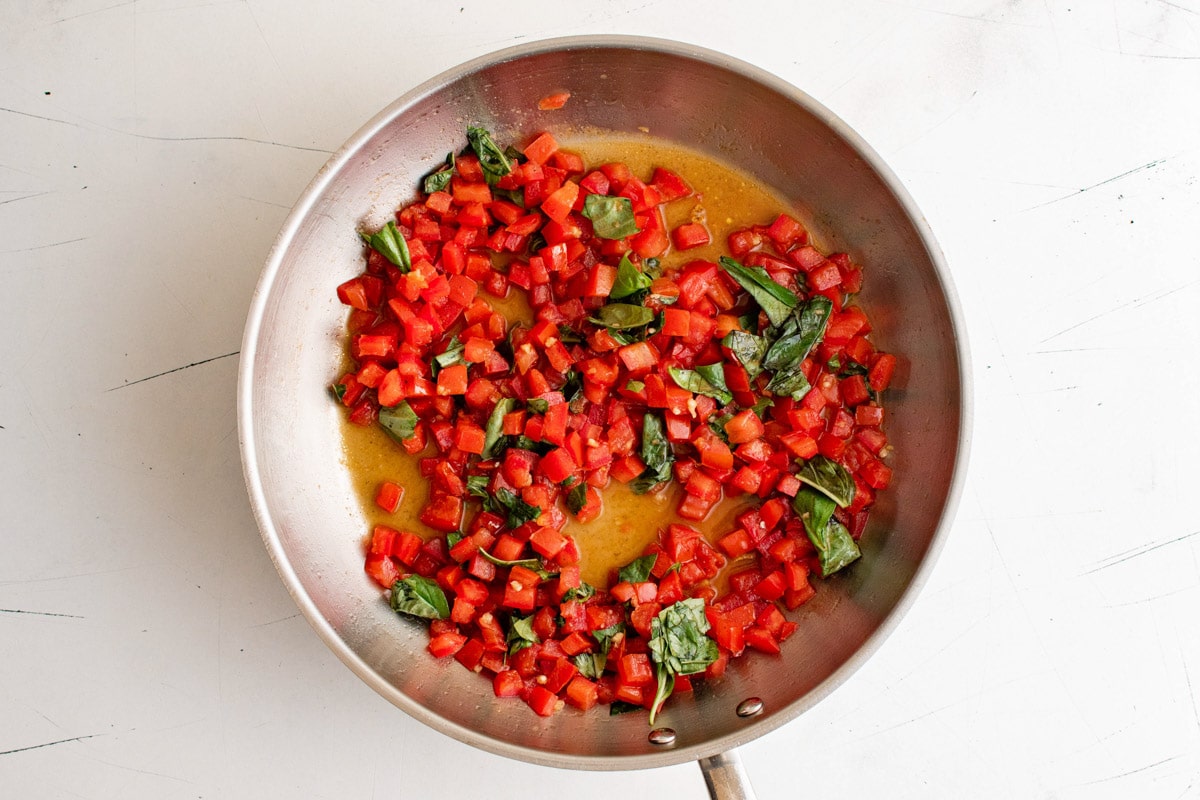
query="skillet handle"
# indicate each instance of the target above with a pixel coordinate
(725, 777)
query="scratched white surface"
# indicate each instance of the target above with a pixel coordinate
(151, 149)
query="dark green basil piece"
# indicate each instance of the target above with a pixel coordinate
(477, 487)
(775, 300)
(638, 570)
(799, 334)
(400, 421)
(830, 478)
(577, 497)
(678, 646)
(618, 707)
(584, 591)
(494, 432)
(492, 160)
(612, 217)
(590, 665)
(453, 354)
(656, 455)
(629, 279)
(519, 512)
(790, 382)
(339, 391)
(840, 549)
(748, 349)
(537, 405)
(623, 316)
(420, 597)
(520, 633)
(534, 564)
(814, 510)
(704, 380)
(391, 245)
(438, 181)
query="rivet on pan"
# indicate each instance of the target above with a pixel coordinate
(750, 707)
(662, 736)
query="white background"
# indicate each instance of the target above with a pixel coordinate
(149, 151)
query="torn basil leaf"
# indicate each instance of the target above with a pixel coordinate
(789, 382)
(828, 477)
(606, 636)
(390, 244)
(418, 596)
(799, 334)
(748, 349)
(520, 633)
(840, 549)
(339, 391)
(656, 455)
(537, 405)
(399, 421)
(494, 432)
(678, 646)
(775, 300)
(814, 510)
(453, 354)
(584, 591)
(477, 487)
(492, 160)
(438, 181)
(519, 512)
(612, 217)
(577, 497)
(623, 316)
(618, 707)
(704, 380)
(590, 665)
(638, 570)
(629, 279)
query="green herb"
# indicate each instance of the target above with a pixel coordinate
(514, 196)
(814, 510)
(520, 633)
(391, 245)
(606, 636)
(494, 432)
(638, 570)
(514, 155)
(523, 442)
(678, 646)
(775, 300)
(418, 596)
(633, 386)
(534, 564)
(573, 388)
(453, 354)
(399, 421)
(453, 538)
(623, 316)
(339, 391)
(800, 332)
(584, 591)
(568, 336)
(590, 665)
(789, 381)
(537, 405)
(577, 497)
(708, 379)
(830, 478)
(477, 487)
(438, 181)
(519, 512)
(852, 368)
(748, 349)
(834, 363)
(717, 423)
(656, 455)
(619, 707)
(836, 548)
(629, 279)
(492, 160)
(760, 408)
(536, 241)
(612, 217)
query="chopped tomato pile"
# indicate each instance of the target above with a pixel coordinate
(752, 376)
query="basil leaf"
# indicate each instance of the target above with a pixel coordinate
(391, 245)
(828, 477)
(537, 405)
(492, 160)
(840, 549)
(747, 349)
(519, 512)
(638, 570)
(514, 196)
(577, 497)
(629, 279)
(623, 316)
(635, 386)
(418, 596)
(678, 646)
(584, 591)
(707, 379)
(800, 333)
(477, 487)
(453, 538)
(339, 391)
(438, 181)
(572, 388)
(618, 707)
(717, 423)
(606, 636)
(520, 634)
(814, 510)
(790, 381)
(534, 564)
(590, 665)
(494, 432)
(612, 217)
(656, 455)
(453, 354)
(399, 421)
(775, 300)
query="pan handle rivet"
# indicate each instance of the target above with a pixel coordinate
(662, 737)
(750, 707)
